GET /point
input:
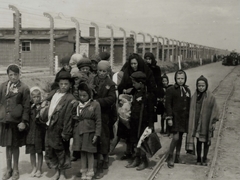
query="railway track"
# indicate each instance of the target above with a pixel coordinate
(153, 175)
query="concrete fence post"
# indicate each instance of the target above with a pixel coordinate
(173, 59)
(51, 52)
(144, 44)
(96, 37)
(167, 40)
(163, 48)
(18, 28)
(135, 41)
(124, 44)
(157, 49)
(78, 34)
(112, 46)
(151, 42)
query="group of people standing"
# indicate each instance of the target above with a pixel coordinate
(82, 105)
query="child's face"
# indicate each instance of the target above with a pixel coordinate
(67, 67)
(13, 77)
(102, 73)
(134, 64)
(136, 85)
(201, 86)
(94, 65)
(180, 79)
(85, 69)
(165, 82)
(36, 97)
(64, 85)
(149, 60)
(83, 96)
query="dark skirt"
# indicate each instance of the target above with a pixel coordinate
(11, 136)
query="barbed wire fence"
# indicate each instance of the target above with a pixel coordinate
(59, 35)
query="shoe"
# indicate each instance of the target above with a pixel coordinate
(170, 162)
(15, 175)
(105, 164)
(178, 160)
(204, 162)
(79, 174)
(126, 156)
(7, 175)
(136, 162)
(143, 165)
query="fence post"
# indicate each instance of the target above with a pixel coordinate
(180, 48)
(176, 49)
(112, 46)
(51, 53)
(151, 43)
(172, 49)
(96, 37)
(18, 27)
(124, 44)
(163, 48)
(78, 34)
(157, 51)
(135, 41)
(167, 49)
(143, 46)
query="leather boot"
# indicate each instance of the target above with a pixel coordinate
(178, 159)
(135, 162)
(170, 161)
(99, 172)
(144, 163)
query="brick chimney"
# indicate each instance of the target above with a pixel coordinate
(92, 31)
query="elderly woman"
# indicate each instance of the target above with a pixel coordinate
(134, 63)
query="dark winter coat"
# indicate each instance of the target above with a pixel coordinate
(177, 106)
(61, 121)
(106, 96)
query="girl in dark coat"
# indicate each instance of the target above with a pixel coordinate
(36, 133)
(87, 129)
(178, 99)
(14, 118)
(106, 96)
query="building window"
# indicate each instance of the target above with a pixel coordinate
(104, 48)
(26, 46)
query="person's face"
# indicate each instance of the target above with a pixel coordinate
(83, 96)
(134, 64)
(165, 82)
(76, 80)
(136, 85)
(67, 67)
(149, 60)
(36, 97)
(94, 65)
(102, 73)
(64, 85)
(13, 77)
(201, 86)
(85, 69)
(180, 79)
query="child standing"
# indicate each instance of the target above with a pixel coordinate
(143, 102)
(177, 111)
(87, 129)
(204, 114)
(14, 118)
(36, 133)
(59, 130)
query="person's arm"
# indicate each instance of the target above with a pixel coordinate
(109, 99)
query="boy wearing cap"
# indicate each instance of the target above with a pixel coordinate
(59, 130)
(142, 116)
(65, 67)
(14, 118)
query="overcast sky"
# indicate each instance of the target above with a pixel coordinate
(214, 23)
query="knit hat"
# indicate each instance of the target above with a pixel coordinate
(104, 65)
(75, 58)
(83, 62)
(64, 75)
(202, 78)
(165, 76)
(84, 87)
(104, 55)
(65, 60)
(139, 76)
(96, 58)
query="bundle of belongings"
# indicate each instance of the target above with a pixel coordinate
(124, 109)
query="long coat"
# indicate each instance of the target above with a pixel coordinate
(177, 106)
(61, 121)
(106, 96)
